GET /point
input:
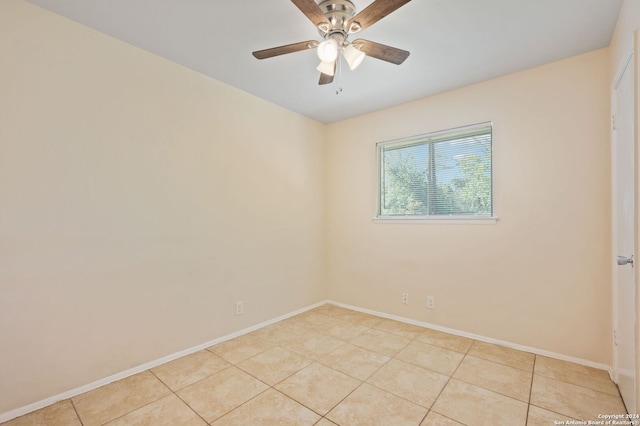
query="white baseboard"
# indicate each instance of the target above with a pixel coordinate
(485, 339)
(9, 415)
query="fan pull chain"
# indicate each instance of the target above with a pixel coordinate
(339, 89)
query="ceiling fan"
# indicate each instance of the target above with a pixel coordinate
(335, 20)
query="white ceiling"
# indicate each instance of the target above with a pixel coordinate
(453, 43)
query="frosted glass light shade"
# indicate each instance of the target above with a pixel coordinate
(353, 56)
(327, 68)
(328, 50)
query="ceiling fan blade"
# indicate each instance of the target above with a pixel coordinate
(283, 50)
(312, 11)
(381, 51)
(326, 78)
(375, 12)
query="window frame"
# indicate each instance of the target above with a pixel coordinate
(484, 218)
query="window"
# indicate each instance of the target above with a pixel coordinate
(439, 174)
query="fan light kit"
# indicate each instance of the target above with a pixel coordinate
(335, 20)
(328, 50)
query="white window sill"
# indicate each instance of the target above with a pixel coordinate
(434, 220)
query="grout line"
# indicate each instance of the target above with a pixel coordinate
(190, 408)
(581, 386)
(76, 411)
(342, 400)
(344, 342)
(394, 357)
(352, 322)
(414, 338)
(490, 390)
(445, 386)
(244, 403)
(160, 380)
(425, 416)
(476, 337)
(493, 390)
(38, 405)
(560, 415)
(533, 372)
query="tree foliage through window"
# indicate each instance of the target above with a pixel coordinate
(447, 173)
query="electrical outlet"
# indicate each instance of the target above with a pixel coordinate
(431, 302)
(239, 308)
(405, 298)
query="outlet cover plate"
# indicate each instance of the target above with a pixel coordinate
(431, 302)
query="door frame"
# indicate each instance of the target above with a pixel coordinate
(630, 58)
(636, 141)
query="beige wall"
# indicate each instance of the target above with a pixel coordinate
(138, 201)
(540, 277)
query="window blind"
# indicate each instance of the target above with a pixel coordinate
(442, 173)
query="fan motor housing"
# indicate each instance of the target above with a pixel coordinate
(338, 12)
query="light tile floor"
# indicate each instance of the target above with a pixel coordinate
(333, 366)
